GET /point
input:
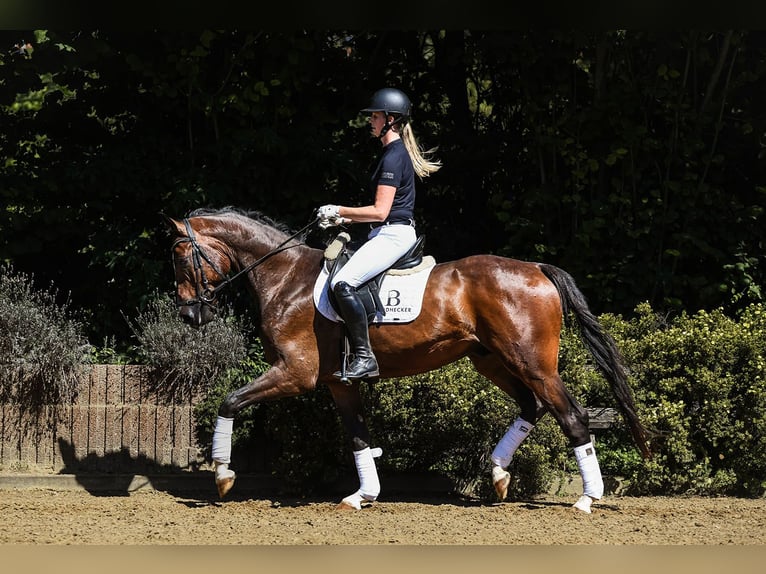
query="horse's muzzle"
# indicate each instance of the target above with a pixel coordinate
(196, 314)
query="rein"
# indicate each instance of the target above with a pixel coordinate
(206, 295)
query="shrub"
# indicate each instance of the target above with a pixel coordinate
(443, 421)
(700, 380)
(447, 422)
(184, 359)
(43, 350)
(311, 449)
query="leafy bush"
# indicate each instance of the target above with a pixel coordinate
(43, 350)
(442, 421)
(183, 359)
(702, 382)
(310, 446)
(699, 382)
(447, 422)
(108, 354)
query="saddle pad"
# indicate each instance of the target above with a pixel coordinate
(401, 295)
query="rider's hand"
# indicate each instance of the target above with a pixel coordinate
(332, 222)
(328, 212)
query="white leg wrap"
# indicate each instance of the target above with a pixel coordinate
(503, 453)
(222, 440)
(593, 484)
(369, 485)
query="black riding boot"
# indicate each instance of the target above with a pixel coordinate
(352, 310)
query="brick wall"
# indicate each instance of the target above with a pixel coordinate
(115, 425)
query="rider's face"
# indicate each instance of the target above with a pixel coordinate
(377, 121)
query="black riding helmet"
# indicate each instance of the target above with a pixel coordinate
(392, 102)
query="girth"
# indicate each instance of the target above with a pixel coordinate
(337, 255)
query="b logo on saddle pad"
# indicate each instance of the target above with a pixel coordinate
(400, 293)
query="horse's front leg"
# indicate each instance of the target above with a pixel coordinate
(274, 384)
(349, 404)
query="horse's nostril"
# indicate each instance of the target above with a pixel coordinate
(187, 315)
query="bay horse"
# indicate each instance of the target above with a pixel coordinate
(505, 315)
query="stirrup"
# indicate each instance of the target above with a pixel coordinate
(346, 380)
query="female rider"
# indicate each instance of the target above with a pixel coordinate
(391, 216)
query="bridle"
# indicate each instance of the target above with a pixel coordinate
(206, 293)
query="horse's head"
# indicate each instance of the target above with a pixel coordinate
(201, 266)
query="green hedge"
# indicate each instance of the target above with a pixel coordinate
(701, 382)
(698, 382)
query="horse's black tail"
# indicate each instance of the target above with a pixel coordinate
(602, 346)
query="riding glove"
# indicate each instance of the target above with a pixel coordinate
(328, 212)
(325, 223)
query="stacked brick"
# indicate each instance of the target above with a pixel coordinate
(116, 424)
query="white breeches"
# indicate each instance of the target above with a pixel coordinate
(384, 246)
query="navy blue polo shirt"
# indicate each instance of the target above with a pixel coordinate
(395, 169)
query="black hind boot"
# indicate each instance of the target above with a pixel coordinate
(364, 364)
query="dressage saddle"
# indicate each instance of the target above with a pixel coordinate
(339, 252)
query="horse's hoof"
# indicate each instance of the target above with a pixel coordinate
(501, 479)
(354, 502)
(583, 503)
(224, 486)
(224, 482)
(347, 505)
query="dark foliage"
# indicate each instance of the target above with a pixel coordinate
(631, 159)
(42, 346)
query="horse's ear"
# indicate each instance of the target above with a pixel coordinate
(175, 227)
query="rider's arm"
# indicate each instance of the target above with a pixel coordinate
(384, 198)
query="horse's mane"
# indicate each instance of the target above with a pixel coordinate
(237, 212)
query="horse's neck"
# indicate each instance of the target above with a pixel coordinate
(279, 268)
(247, 244)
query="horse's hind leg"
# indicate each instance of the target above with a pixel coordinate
(538, 396)
(531, 411)
(349, 404)
(573, 420)
(502, 454)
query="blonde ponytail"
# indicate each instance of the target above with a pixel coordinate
(424, 166)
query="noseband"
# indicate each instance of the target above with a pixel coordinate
(205, 293)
